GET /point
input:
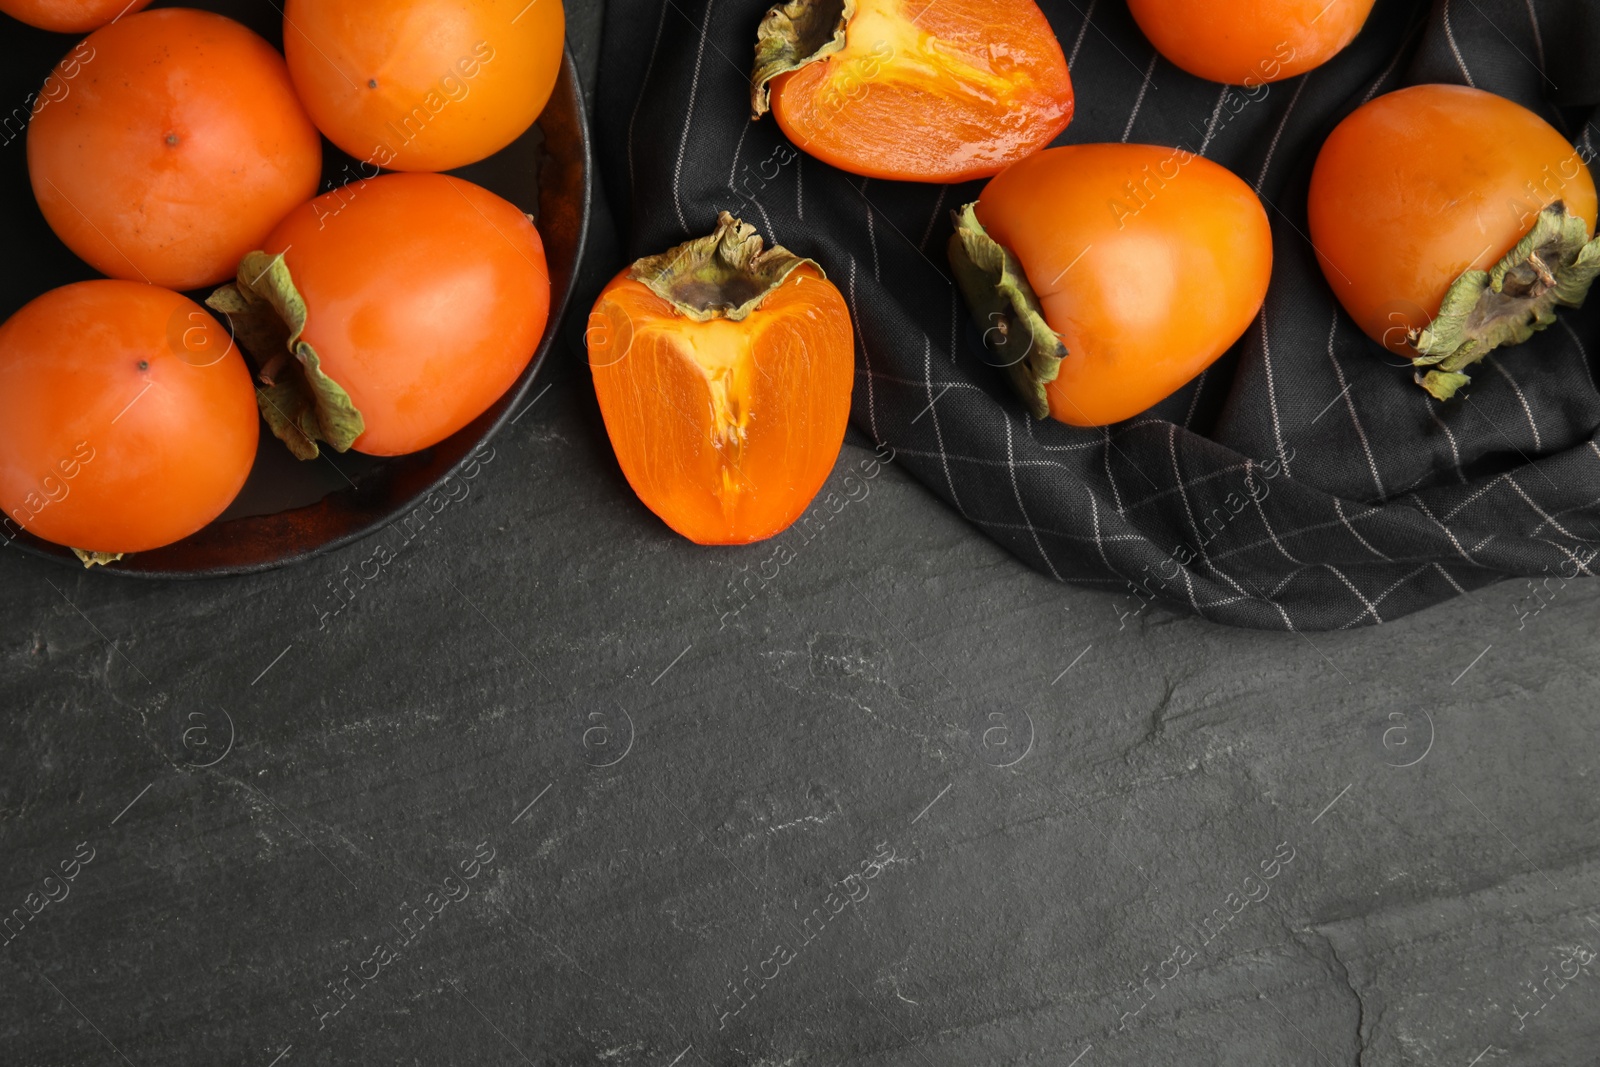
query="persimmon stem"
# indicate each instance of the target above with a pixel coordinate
(299, 401)
(268, 375)
(724, 275)
(1551, 267)
(792, 35)
(1003, 302)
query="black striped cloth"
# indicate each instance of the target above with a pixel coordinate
(1303, 482)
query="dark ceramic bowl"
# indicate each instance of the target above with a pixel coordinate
(288, 510)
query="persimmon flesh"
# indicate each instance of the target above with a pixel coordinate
(1250, 42)
(940, 92)
(726, 428)
(1424, 184)
(1147, 263)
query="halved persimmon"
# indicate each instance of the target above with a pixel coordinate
(913, 91)
(723, 372)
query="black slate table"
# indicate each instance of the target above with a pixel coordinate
(560, 788)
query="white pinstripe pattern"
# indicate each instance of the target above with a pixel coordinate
(1111, 479)
(1272, 148)
(733, 171)
(1350, 406)
(1288, 623)
(995, 524)
(1094, 525)
(1138, 102)
(1266, 524)
(1582, 566)
(1449, 434)
(1385, 595)
(918, 382)
(1453, 512)
(1177, 473)
(1528, 500)
(1453, 583)
(688, 118)
(855, 313)
(1455, 49)
(1083, 30)
(1538, 444)
(1216, 113)
(799, 187)
(938, 433)
(1447, 531)
(1372, 609)
(872, 233)
(1588, 506)
(1338, 507)
(1393, 63)
(1194, 402)
(1272, 392)
(1016, 491)
(771, 231)
(981, 461)
(1402, 581)
(1287, 535)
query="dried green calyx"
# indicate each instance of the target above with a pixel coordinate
(1007, 311)
(91, 560)
(793, 34)
(725, 275)
(301, 404)
(1553, 266)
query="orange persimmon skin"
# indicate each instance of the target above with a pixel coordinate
(1145, 292)
(973, 86)
(127, 417)
(426, 296)
(177, 147)
(1250, 42)
(1425, 183)
(69, 16)
(726, 430)
(424, 85)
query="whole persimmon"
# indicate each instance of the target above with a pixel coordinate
(127, 418)
(1250, 42)
(388, 314)
(1450, 221)
(1105, 276)
(723, 371)
(424, 84)
(70, 16)
(179, 147)
(911, 90)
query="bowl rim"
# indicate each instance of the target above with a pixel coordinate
(45, 550)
